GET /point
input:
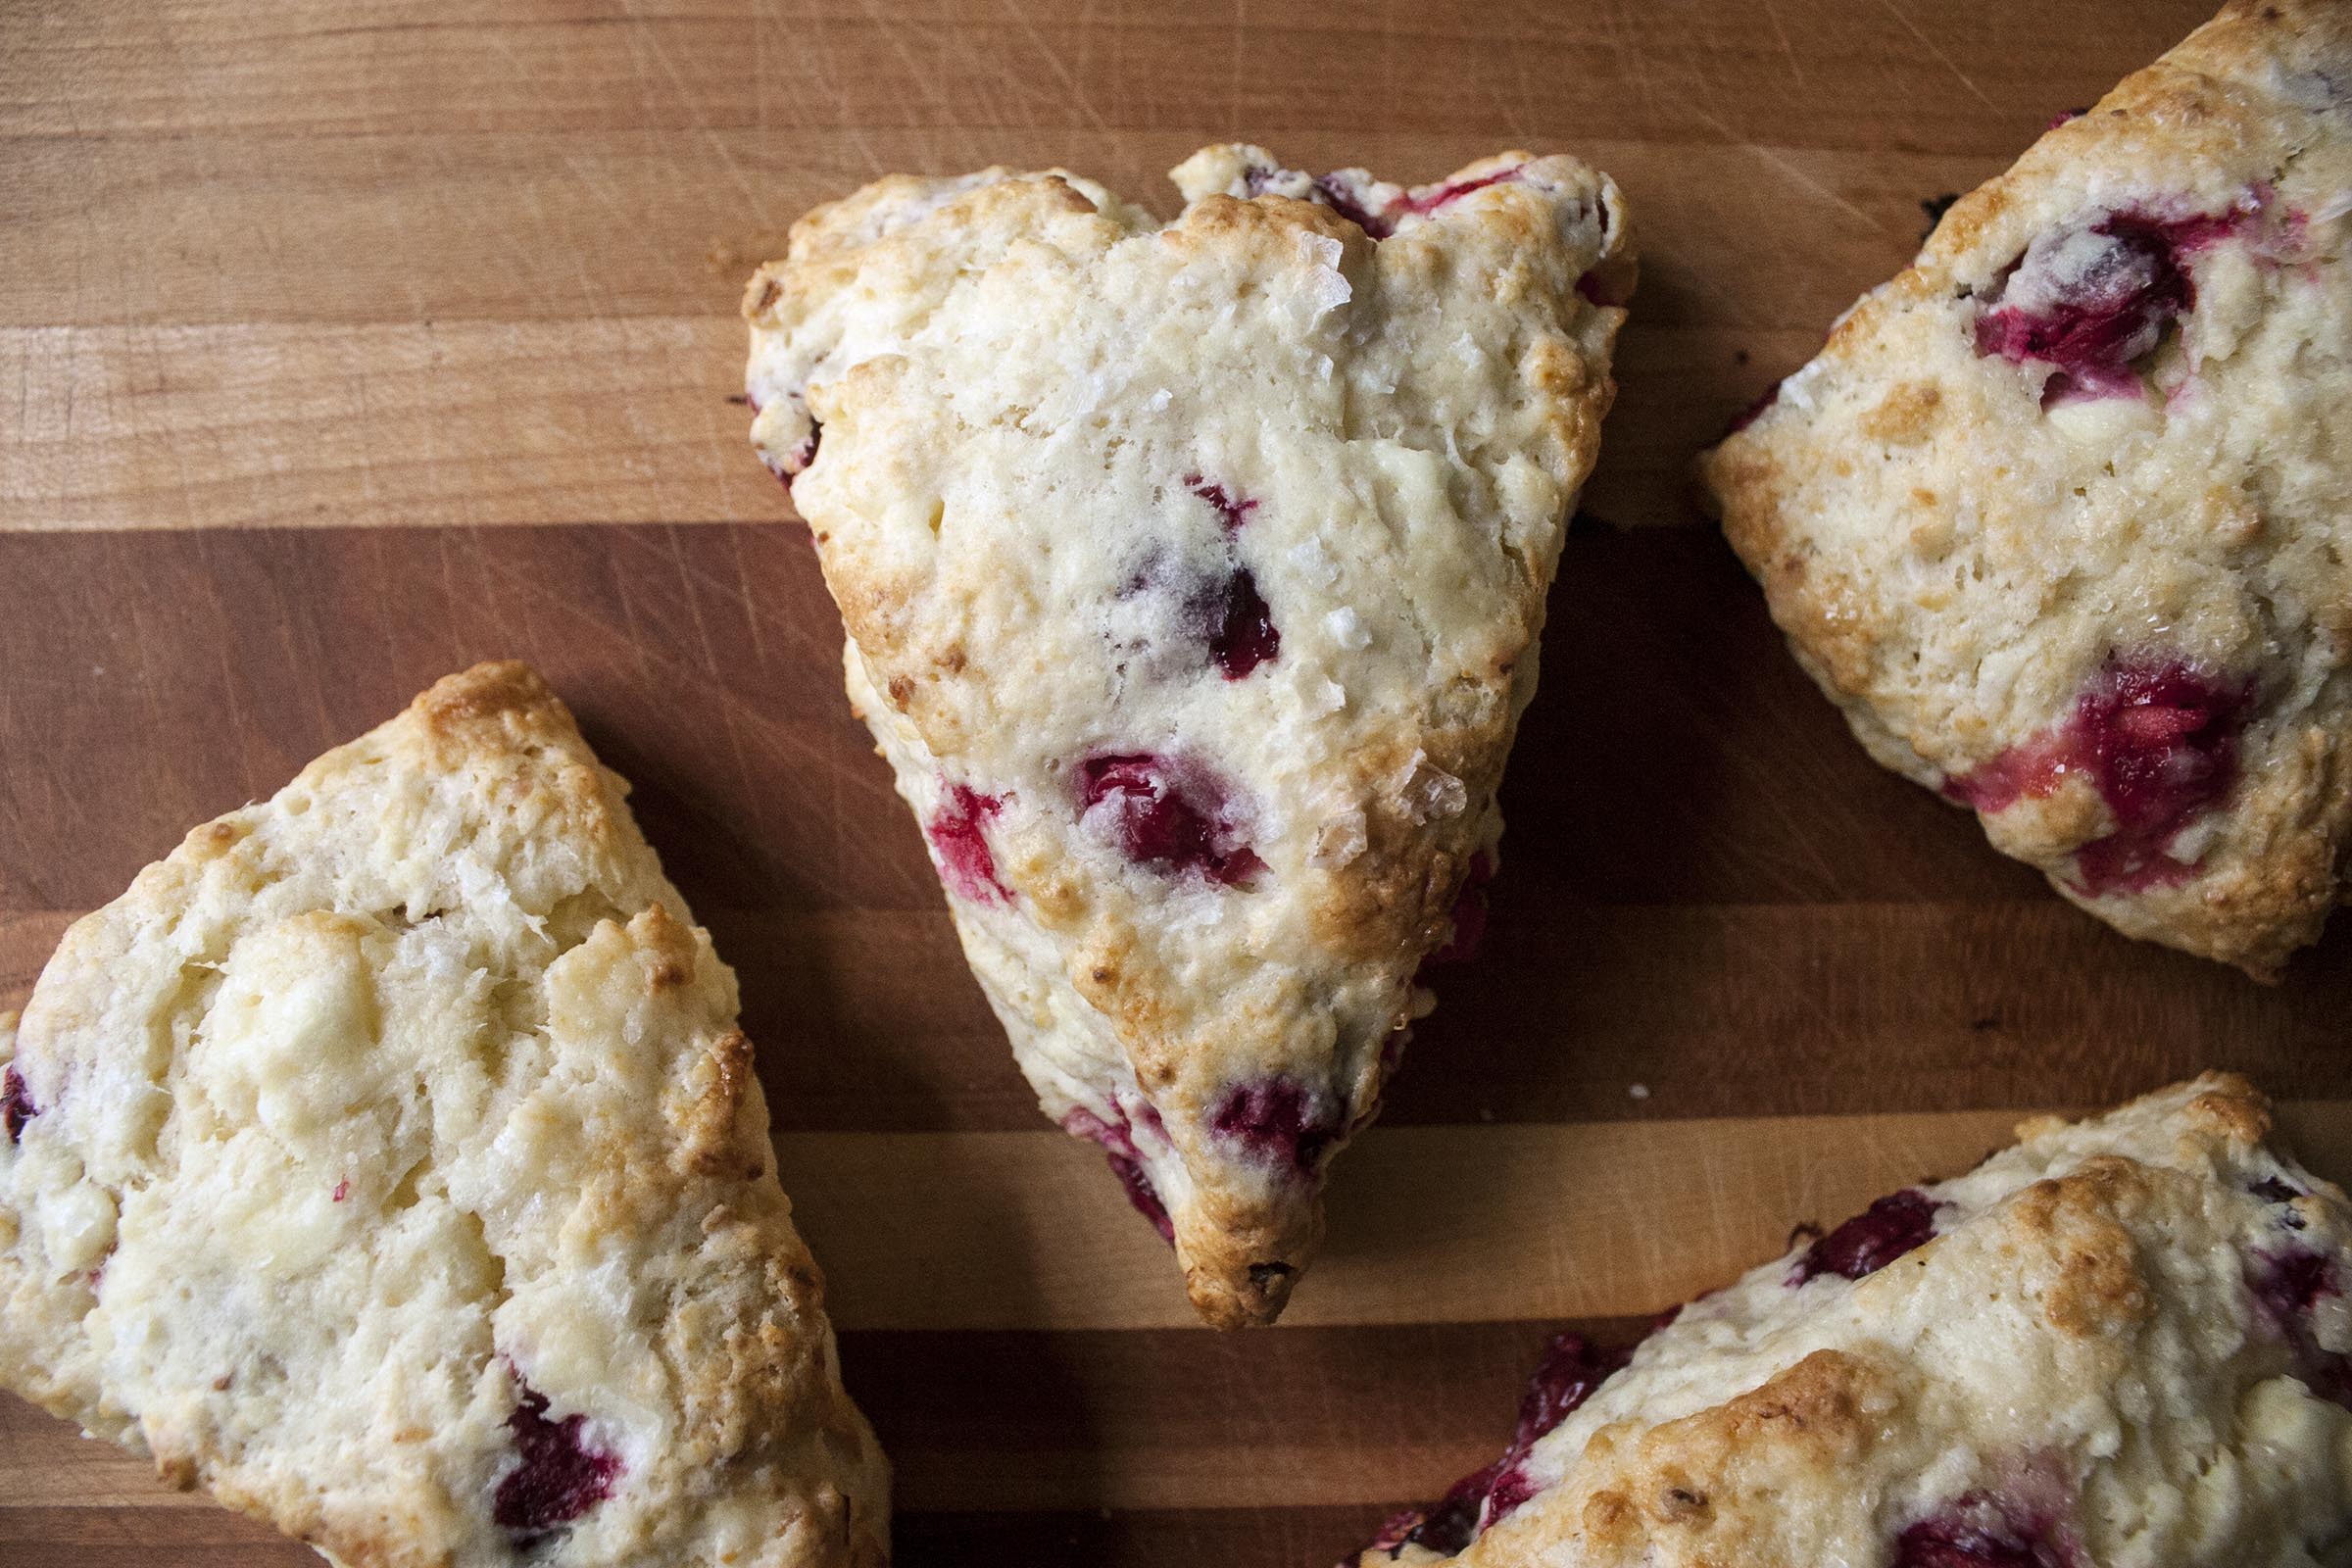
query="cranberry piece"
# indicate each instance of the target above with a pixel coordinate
(1245, 636)
(2291, 1282)
(557, 1477)
(1469, 914)
(1977, 1532)
(2030, 769)
(1169, 815)
(1232, 513)
(1573, 1370)
(17, 1105)
(1397, 1531)
(342, 1190)
(1143, 1195)
(802, 455)
(2098, 300)
(2159, 738)
(2273, 1190)
(1895, 1224)
(2065, 114)
(1456, 190)
(1594, 289)
(1754, 411)
(1231, 615)
(966, 862)
(2288, 1284)
(1336, 197)
(1118, 1146)
(1275, 1117)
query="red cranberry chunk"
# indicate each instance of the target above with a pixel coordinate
(1274, 1117)
(2089, 302)
(557, 1477)
(1895, 1224)
(957, 831)
(2025, 771)
(1232, 511)
(2161, 739)
(1594, 289)
(1396, 1531)
(2274, 1190)
(1168, 815)
(1245, 636)
(2158, 736)
(1342, 200)
(1573, 1370)
(1754, 411)
(1143, 1195)
(1469, 914)
(1456, 190)
(1118, 1146)
(1977, 1533)
(17, 1105)
(2288, 1284)
(802, 455)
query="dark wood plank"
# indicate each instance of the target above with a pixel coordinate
(1708, 891)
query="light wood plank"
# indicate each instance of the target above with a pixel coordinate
(1801, 72)
(466, 422)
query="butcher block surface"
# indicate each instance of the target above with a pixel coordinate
(341, 346)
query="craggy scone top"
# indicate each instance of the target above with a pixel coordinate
(2060, 517)
(387, 1162)
(1193, 575)
(2124, 1341)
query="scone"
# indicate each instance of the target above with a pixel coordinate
(2124, 1343)
(1191, 578)
(2060, 517)
(387, 1162)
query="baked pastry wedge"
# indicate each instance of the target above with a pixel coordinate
(1192, 576)
(387, 1162)
(2062, 517)
(2124, 1341)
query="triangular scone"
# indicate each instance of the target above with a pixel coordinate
(2062, 517)
(2124, 1341)
(387, 1162)
(1192, 576)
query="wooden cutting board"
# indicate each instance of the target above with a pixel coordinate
(347, 345)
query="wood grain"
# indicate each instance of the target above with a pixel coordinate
(269, 266)
(347, 347)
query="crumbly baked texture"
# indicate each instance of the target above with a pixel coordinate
(1192, 576)
(2060, 517)
(387, 1162)
(2124, 1341)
